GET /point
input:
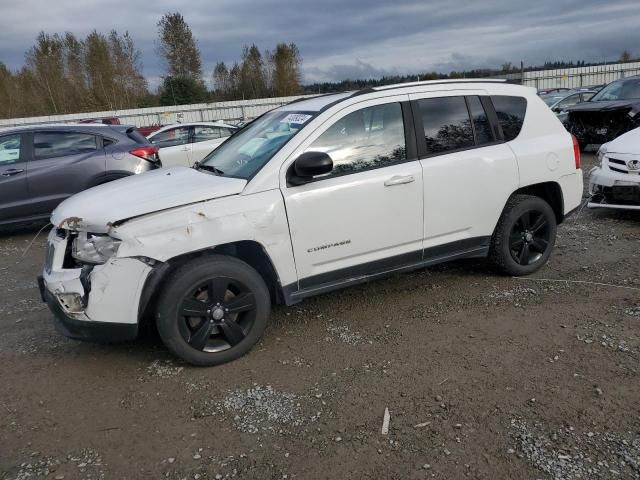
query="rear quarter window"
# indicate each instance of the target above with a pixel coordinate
(511, 112)
(136, 136)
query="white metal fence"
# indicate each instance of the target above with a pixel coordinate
(141, 117)
(580, 76)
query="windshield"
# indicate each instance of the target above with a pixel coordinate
(248, 150)
(620, 90)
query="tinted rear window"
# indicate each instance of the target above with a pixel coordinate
(510, 112)
(136, 136)
(446, 123)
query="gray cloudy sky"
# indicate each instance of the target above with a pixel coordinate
(342, 39)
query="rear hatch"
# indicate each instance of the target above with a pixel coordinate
(144, 148)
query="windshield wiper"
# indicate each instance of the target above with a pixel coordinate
(209, 168)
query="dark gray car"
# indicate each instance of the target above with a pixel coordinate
(42, 165)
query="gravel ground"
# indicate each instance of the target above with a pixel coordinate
(484, 377)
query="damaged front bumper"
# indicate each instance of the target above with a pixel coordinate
(95, 302)
(609, 189)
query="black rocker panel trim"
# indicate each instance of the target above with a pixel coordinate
(325, 282)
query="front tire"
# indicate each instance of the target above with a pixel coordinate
(213, 310)
(524, 237)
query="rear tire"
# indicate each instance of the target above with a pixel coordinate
(524, 237)
(213, 310)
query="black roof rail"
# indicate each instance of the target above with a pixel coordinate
(363, 91)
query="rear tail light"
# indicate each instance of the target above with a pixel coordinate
(576, 151)
(148, 152)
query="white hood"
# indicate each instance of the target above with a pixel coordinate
(99, 207)
(626, 143)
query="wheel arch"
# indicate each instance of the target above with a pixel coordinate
(550, 192)
(249, 251)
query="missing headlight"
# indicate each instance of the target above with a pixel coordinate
(94, 248)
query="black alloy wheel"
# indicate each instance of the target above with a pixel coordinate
(217, 315)
(213, 309)
(524, 236)
(529, 238)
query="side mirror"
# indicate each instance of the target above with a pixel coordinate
(309, 165)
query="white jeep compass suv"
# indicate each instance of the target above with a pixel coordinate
(317, 195)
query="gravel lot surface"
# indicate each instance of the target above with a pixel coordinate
(484, 376)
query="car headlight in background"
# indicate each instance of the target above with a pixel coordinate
(601, 153)
(94, 248)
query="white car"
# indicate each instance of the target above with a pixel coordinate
(616, 182)
(184, 144)
(313, 196)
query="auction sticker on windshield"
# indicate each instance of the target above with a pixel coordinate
(295, 118)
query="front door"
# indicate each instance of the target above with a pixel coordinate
(14, 197)
(365, 216)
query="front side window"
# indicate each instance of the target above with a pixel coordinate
(446, 123)
(10, 148)
(252, 147)
(171, 137)
(372, 137)
(510, 112)
(61, 144)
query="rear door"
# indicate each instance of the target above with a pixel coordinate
(62, 164)
(468, 171)
(175, 147)
(14, 196)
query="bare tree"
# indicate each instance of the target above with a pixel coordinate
(221, 81)
(626, 56)
(46, 60)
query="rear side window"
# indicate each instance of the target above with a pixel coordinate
(203, 133)
(481, 125)
(510, 112)
(172, 137)
(446, 123)
(61, 144)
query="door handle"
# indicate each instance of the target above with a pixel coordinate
(399, 180)
(11, 171)
(185, 149)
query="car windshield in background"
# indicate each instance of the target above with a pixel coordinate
(248, 150)
(620, 90)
